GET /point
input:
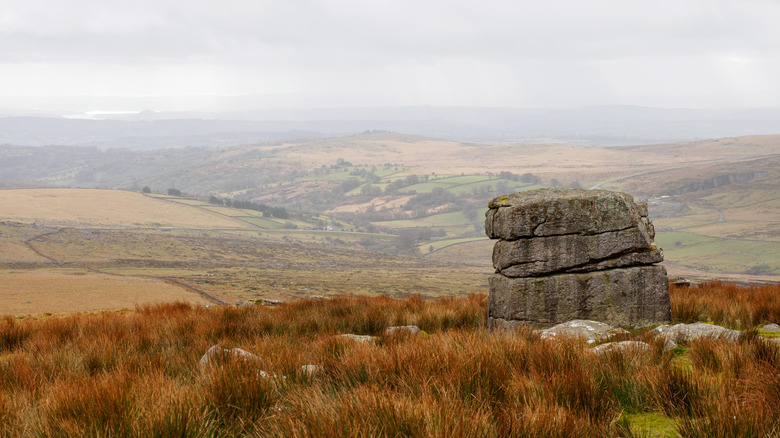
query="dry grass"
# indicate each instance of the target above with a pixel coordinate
(111, 208)
(31, 292)
(727, 304)
(136, 374)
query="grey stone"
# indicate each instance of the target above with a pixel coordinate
(670, 345)
(620, 346)
(312, 370)
(318, 297)
(681, 282)
(558, 211)
(697, 330)
(359, 338)
(408, 329)
(245, 303)
(771, 328)
(568, 254)
(575, 252)
(233, 353)
(270, 302)
(510, 325)
(590, 331)
(635, 296)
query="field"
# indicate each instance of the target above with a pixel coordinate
(350, 180)
(24, 292)
(108, 208)
(136, 373)
(66, 269)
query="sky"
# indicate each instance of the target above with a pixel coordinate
(342, 53)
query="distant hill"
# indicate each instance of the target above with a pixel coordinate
(603, 125)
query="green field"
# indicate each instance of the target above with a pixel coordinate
(720, 254)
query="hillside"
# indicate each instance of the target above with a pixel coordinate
(415, 194)
(108, 208)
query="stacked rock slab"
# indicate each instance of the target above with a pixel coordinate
(565, 254)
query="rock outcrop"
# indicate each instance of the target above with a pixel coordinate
(565, 254)
(590, 331)
(697, 330)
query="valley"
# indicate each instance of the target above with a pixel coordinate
(377, 213)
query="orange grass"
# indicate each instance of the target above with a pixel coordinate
(727, 304)
(136, 374)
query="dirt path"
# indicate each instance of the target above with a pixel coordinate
(29, 244)
(171, 281)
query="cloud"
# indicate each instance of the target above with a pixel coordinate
(440, 52)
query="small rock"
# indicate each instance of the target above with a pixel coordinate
(409, 329)
(697, 330)
(233, 353)
(771, 328)
(318, 297)
(681, 282)
(245, 303)
(670, 345)
(591, 331)
(266, 375)
(312, 370)
(359, 338)
(620, 346)
(269, 302)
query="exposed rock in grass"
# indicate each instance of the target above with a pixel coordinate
(359, 338)
(620, 346)
(670, 345)
(590, 331)
(771, 328)
(312, 370)
(270, 302)
(215, 352)
(697, 330)
(403, 329)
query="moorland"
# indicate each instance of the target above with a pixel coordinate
(377, 213)
(137, 373)
(93, 241)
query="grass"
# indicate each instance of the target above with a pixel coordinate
(726, 304)
(718, 254)
(136, 374)
(104, 207)
(57, 291)
(452, 219)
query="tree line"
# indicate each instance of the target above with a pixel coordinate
(267, 210)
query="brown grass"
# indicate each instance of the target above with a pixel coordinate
(136, 374)
(112, 208)
(32, 292)
(727, 304)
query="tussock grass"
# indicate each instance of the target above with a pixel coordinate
(730, 305)
(136, 374)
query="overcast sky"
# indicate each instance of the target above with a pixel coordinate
(668, 53)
